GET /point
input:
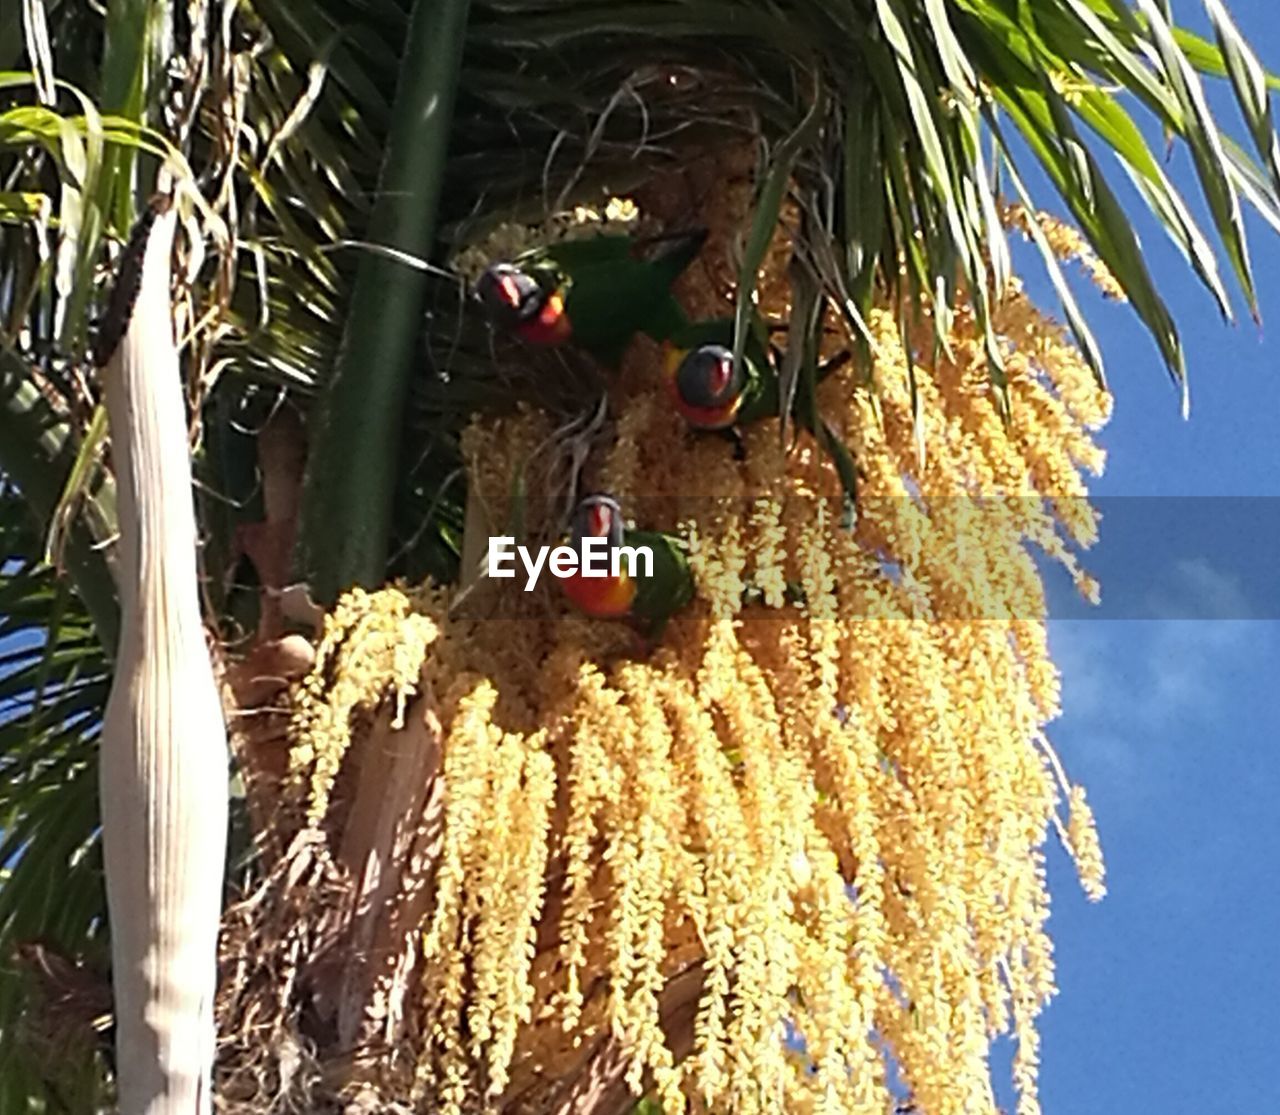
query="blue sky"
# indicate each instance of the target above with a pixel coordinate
(1170, 988)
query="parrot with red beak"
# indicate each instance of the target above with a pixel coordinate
(712, 392)
(648, 601)
(596, 293)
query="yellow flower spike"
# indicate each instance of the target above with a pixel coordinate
(508, 240)
(1085, 847)
(373, 646)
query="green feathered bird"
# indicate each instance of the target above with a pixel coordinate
(711, 393)
(596, 293)
(650, 600)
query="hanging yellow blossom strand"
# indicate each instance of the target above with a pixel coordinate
(373, 646)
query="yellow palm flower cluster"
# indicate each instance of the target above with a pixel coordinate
(373, 648)
(1067, 244)
(509, 239)
(793, 854)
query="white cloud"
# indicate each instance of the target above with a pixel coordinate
(1128, 686)
(1144, 674)
(1190, 665)
(1139, 676)
(1197, 591)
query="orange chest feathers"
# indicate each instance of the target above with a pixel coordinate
(607, 597)
(550, 326)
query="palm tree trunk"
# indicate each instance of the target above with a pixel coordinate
(164, 747)
(353, 466)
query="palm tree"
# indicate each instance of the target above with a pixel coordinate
(326, 151)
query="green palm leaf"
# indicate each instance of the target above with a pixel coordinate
(54, 676)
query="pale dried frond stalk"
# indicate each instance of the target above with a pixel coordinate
(164, 743)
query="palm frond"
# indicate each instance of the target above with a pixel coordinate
(885, 121)
(54, 676)
(910, 111)
(36, 453)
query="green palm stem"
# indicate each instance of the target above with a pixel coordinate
(350, 485)
(37, 453)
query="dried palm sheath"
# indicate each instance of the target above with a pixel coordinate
(164, 745)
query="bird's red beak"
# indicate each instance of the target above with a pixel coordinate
(721, 375)
(509, 290)
(600, 520)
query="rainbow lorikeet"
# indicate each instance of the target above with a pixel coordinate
(596, 293)
(711, 393)
(648, 600)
